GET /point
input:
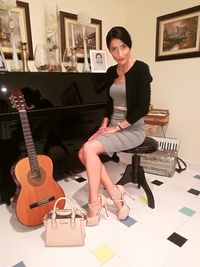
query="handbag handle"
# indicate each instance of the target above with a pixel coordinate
(181, 168)
(55, 207)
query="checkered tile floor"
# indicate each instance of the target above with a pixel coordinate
(167, 236)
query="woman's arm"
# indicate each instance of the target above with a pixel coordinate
(138, 92)
(105, 122)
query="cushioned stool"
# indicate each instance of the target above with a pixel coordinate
(135, 173)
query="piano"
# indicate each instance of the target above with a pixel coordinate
(63, 110)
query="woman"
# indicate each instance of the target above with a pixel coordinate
(123, 125)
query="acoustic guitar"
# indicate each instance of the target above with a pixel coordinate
(37, 190)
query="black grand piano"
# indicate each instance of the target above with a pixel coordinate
(63, 110)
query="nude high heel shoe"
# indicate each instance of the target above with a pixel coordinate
(97, 207)
(124, 211)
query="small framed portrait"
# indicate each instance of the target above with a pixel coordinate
(3, 66)
(98, 60)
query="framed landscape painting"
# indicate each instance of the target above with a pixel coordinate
(178, 35)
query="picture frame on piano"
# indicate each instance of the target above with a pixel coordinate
(72, 35)
(3, 66)
(98, 60)
(178, 35)
(22, 29)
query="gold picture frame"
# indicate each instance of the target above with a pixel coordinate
(3, 66)
(178, 35)
(22, 29)
(71, 34)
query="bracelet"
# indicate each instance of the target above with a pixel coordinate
(118, 124)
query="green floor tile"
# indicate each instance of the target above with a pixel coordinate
(187, 211)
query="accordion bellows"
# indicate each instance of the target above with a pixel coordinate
(163, 161)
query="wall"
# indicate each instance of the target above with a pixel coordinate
(176, 84)
(98, 10)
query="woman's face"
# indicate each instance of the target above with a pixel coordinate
(119, 51)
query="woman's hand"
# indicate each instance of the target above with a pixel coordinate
(106, 130)
(102, 131)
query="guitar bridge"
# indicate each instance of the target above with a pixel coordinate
(42, 202)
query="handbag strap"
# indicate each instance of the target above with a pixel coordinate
(181, 168)
(55, 207)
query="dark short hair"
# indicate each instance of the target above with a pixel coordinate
(120, 33)
(99, 54)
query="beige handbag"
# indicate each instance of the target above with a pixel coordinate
(65, 227)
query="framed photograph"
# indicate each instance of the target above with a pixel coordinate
(21, 29)
(178, 35)
(3, 66)
(72, 34)
(98, 60)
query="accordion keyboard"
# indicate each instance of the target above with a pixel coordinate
(165, 143)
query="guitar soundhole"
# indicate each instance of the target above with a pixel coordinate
(36, 177)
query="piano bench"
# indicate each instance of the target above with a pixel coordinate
(134, 172)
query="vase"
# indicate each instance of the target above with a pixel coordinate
(15, 61)
(70, 60)
(74, 60)
(86, 67)
(52, 37)
(67, 60)
(41, 58)
(24, 57)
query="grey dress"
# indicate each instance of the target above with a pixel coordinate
(127, 138)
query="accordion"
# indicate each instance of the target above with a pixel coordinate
(163, 161)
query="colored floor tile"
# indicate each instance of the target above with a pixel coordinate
(172, 228)
(143, 198)
(20, 264)
(194, 191)
(85, 207)
(104, 253)
(177, 239)
(129, 221)
(187, 211)
(80, 179)
(157, 182)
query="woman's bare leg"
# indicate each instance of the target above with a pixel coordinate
(96, 171)
(105, 179)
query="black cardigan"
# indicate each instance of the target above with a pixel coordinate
(138, 91)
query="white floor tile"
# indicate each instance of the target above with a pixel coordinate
(144, 244)
(142, 248)
(116, 262)
(191, 229)
(103, 233)
(62, 257)
(188, 255)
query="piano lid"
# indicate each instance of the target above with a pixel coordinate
(53, 90)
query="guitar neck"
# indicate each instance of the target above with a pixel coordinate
(34, 165)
